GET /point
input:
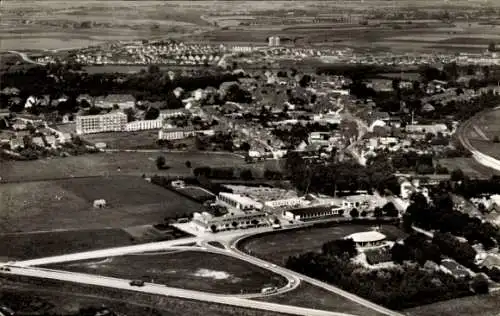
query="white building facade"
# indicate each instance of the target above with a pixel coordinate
(112, 122)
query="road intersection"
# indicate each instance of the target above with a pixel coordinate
(228, 239)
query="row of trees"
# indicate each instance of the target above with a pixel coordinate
(340, 176)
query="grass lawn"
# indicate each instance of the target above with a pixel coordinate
(469, 166)
(188, 269)
(29, 246)
(310, 296)
(67, 204)
(126, 140)
(479, 305)
(30, 296)
(278, 246)
(130, 163)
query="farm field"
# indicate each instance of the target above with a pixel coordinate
(63, 298)
(310, 296)
(478, 305)
(187, 269)
(104, 164)
(270, 246)
(56, 24)
(67, 204)
(37, 245)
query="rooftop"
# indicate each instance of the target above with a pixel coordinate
(366, 237)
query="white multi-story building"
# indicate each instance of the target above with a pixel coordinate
(112, 122)
(181, 133)
(273, 41)
(143, 125)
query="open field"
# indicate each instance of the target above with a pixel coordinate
(37, 245)
(187, 269)
(469, 166)
(103, 164)
(128, 140)
(478, 305)
(56, 24)
(36, 295)
(310, 296)
(270, 246)
(67, 204)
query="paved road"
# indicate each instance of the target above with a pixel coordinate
(166, 291)
(328, 287)
(230, 239)
(26, 58)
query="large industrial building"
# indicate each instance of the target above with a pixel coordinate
(270, 197)
(242, 212)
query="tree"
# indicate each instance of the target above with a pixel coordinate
(480, 285)
(130, 112)
(153, 69)
(354, 213)
(160, 162)
(256, 222)
(363, 214)
(246, 174)
(492, 47)
(340, 247)
(152, 114)
(378, 212)
(245, 146)
(457, 175)
(213, 228)
(399, 253)
(496, 139)
(188, 164)
(390, 210)
(234, 224)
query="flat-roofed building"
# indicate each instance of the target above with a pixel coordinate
(111, 122)
(238, 201)
(206, 221)
(314, 212)
(269, 197)
(143, 125)
(367, 240)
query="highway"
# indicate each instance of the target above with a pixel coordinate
(158, 289)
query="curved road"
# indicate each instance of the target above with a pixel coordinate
(230, 239)
(481, 158)
(25, 57)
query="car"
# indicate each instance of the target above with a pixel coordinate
(136, 283)
(4, 268)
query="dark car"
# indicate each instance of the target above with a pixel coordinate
(137, 283)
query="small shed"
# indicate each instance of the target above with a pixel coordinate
(101, 203)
